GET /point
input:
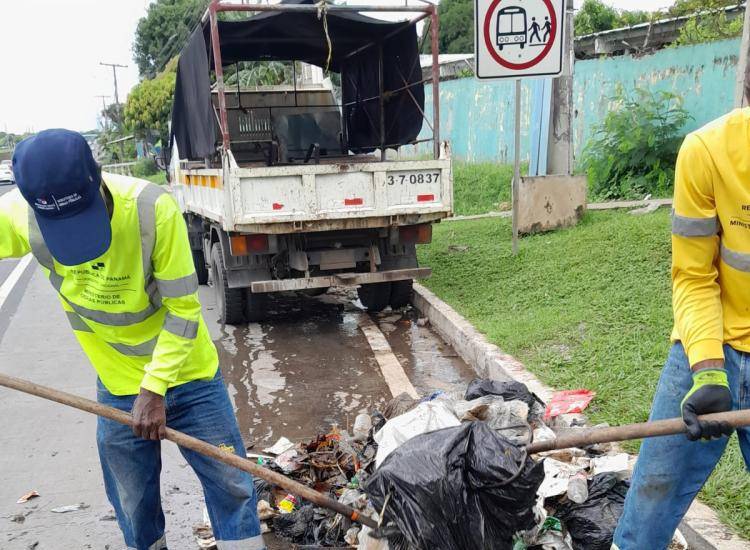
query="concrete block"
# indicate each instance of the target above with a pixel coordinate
(546, 203)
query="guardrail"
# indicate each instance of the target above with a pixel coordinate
(123, 168)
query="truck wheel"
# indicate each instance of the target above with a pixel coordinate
(401, 293)
(255, 306)
(231, 301)
(375, 296)
(201, 269)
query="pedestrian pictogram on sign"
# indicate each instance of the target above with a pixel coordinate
(519, 38)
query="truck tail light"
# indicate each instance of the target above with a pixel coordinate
(418, 234)
(243, 245)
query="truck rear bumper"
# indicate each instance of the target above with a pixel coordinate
(341, 279)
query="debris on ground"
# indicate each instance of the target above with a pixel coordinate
(568, 402)
(204, 536)
(27, 497)
(426, 417)
(70, 508)
(450, 471)
(592, 523)
(474, 489)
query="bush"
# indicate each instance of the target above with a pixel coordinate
(633, 151)
(145, 168)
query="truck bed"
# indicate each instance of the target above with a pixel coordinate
(319, 197)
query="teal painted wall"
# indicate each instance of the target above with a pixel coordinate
(704, 75)
(477, 117)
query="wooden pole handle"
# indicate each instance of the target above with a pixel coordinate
(591, 436)
(192, 443)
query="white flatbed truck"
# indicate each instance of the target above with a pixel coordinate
(272, 213)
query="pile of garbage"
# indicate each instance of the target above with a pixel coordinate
(451, 472)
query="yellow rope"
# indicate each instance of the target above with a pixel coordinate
(323, 13)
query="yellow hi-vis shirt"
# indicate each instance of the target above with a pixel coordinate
(134, 310)
(711, 239)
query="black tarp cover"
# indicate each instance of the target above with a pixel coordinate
(284, 36)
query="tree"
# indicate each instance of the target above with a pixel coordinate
(150, 103)
(595, 16)
(708, 21)
(163, 32)
(456, 27)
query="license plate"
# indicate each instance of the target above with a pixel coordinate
(413, 178)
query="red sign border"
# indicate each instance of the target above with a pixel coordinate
(489, 43)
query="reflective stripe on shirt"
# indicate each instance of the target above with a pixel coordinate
(737, 260)
(694, 227)
(146, 202)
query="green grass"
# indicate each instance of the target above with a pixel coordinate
(159, 179)
(587, 307)
(481, 187)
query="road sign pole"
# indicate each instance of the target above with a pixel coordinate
(515, 189)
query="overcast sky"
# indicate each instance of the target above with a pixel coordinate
(50, 52)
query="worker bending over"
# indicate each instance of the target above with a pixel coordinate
(116, 250)
(708, 366)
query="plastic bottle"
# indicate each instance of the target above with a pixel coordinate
(288, 505)
(578, 488)
(362, 426)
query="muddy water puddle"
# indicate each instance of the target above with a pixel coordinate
(309, 366)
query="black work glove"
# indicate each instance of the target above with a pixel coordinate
(709, 394)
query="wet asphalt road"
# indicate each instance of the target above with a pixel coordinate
(306, 369)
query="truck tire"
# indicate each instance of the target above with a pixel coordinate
(230, 301)
(201, 269)
(375, 296)
(255, 306)
(401, 293)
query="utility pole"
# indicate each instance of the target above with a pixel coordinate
(104, 99)
(743, 77)
(115, 66)
(560, 153)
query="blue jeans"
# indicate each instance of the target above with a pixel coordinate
(672, 470)
(132, 467)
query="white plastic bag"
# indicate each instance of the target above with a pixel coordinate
(424, 418)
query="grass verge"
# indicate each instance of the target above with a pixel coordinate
(481, 187)
(587, 307)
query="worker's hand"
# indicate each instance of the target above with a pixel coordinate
(149, 416)
(709, 394)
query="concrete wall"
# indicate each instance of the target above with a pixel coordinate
(478, 116)
(704, 75)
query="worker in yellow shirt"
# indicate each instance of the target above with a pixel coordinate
(708, 369)
(116, 251)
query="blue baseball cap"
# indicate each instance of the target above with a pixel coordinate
(56, 173)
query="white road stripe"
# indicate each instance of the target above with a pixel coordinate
(7, 287)
(392, 370)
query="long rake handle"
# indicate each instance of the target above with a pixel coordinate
(591, 436)
(192, 443)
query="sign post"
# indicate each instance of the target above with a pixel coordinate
(517, 39)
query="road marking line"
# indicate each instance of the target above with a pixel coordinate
(390, 366)
(7, 287)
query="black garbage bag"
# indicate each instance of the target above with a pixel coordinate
(299, 526)
(510, 391)
(263, 490)
(458, 488)
(592, 524)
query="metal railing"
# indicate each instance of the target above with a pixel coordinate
(122, 168)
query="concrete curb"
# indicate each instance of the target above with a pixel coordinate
(489, 361)
(611, 205)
